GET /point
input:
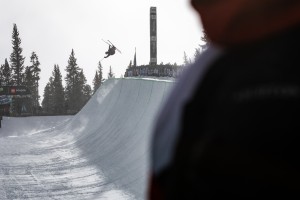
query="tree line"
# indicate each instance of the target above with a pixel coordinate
(57, 99)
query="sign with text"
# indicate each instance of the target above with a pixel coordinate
(14, 90)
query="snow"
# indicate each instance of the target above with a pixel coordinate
(100, 153)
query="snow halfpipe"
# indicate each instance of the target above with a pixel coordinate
(100, 153)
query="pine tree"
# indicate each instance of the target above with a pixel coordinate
(206, 41)
(1, 75)
(45, 102)
(48, 101)
(35, 69)
(5, 74)
(186, 61)
(87, 93)
(197, 52)
(58, 92)
(16, 58)
(29, 82)
(53, 102)
(79, 88)
(84, 91)
(110, 73)
(204, 38)
(100, 74)
(77, 92)
(98, 79)
(96, 82)
(71, 80)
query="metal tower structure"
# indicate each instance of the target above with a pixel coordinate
(153, 36)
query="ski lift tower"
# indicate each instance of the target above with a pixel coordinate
(153, 37)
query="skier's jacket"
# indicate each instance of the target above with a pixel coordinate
(235, 131)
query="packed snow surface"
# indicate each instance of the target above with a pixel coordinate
(100, 153)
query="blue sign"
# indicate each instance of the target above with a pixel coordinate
(4, 100)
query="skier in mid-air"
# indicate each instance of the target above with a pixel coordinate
(111, 51)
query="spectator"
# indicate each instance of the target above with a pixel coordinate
(230, 128)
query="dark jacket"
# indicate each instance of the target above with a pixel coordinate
(240, 131)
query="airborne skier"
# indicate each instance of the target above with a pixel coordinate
(111, 49)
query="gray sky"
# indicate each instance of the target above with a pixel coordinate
(52, 28)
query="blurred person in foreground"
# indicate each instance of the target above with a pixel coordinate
(231, 126)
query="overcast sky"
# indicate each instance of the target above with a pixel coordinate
(52, 28)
